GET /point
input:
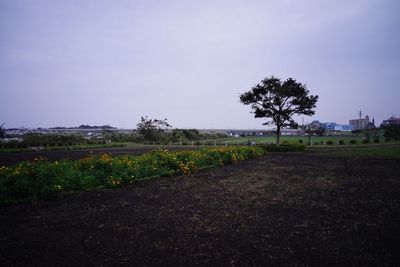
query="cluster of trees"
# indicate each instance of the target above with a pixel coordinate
(156, 131)
(49, 140)
(392, 132)
(160, 131)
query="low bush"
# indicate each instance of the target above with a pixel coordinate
(42, 179)
(341, 142)
(376, 140)
(365, 141)
(300, 141)
(283, 148)
(330, 142)
(392, 132)
(353, 141)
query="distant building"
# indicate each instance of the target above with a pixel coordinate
(392, 121)
(329, 126)
(343, 127)
(288, 131)
(359, 124)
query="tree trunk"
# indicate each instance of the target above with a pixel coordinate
(278, 134)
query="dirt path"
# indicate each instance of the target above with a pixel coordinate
(282, 209)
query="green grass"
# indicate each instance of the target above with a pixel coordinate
(384, 151)
(315, 140)
(290, 139)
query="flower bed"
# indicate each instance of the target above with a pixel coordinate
(42, 179)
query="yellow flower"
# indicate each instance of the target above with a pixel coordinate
(58, 187)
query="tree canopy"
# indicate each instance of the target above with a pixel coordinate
(2, 131)
(151, 129)
(278, 101)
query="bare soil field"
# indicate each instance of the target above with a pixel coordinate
(283, 209)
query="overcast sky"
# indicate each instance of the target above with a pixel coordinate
(66, 63)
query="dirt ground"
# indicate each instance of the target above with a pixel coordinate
(285, 209)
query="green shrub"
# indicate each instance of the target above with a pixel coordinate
(330, 142)
(353, 141)
(365, 141)
(300, 141)
(283, 148)
(341, 142)
(376, 140)
(392, 132)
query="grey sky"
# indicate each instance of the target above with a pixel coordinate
(66, 63)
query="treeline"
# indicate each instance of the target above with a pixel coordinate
(49, 140)
(174, 136)
(155, 131)
(392, 132)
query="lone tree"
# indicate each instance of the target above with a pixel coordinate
(152, 129)
(279, 101)
(313, 130)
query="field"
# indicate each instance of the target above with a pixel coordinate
(318, 207)
(293, 139)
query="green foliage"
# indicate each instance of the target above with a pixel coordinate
(353, 142)
(152, 129)
(279, 101)
(2, 131)
(42, 179)
(283, 148)
(341, 142)
(387, 152)
(392, 133)
(329, 142)
(52, 139)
